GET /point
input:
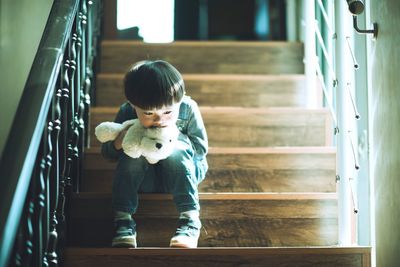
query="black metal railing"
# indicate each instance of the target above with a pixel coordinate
(41, 162)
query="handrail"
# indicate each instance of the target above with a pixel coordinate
(31, 186)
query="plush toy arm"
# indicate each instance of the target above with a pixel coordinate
(132, 140)
(108, 131)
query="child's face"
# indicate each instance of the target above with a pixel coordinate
(158, 117)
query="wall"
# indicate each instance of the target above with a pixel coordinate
(385, 118)
(21, 26)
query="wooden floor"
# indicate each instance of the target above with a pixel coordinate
(269, 198)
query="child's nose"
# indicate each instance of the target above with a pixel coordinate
(158, 121)
(156, 118)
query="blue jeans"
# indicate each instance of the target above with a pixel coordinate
(179, 174)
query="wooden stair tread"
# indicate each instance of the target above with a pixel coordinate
(219, 76)
(242, 169)
(220, 256)
(236, 110)
(266, 205)
(207, 56)
(222, 196)
(231, 126)
(220, 250)
(255, 150)
(291, 219)
(273, 150)
(237, 180)
(232, 111)
(201, 43)
(244, 90)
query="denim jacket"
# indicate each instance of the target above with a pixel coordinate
(190, 124)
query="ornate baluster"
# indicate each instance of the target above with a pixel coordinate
(29, 233)
(42, 228)
(63, 148)
(75, 171)
(40, 204)
(18, 251)
(82, 103)
(23, 248)
(89, 73)
(72, 69)
(54, 182)
(49, 162)
(75, 156)
(84, 40)
(75, 97)
(86, 103)
(71, 111)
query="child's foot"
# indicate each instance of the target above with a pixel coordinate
(125, 234)
(187, 234)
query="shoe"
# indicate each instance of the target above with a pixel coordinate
(187, 234)
(125, 234)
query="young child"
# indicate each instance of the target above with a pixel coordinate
(156, 96)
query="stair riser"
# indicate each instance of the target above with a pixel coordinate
(199, 258)
(187, 57)
(233, 128)
(228, 222)
(157, 232)
(286, 91)
(292, 172)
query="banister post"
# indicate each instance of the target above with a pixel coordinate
(346, 123)
(310, 53)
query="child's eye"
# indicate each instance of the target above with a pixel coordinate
(168, 112)
(148, 113)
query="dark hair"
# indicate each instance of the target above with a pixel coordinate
(153, 84)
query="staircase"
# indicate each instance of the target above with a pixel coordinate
(269, 198)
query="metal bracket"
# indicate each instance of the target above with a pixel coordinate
(374, 31)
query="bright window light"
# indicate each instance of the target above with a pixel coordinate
(155, 18)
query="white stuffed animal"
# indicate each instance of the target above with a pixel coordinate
(153, 143)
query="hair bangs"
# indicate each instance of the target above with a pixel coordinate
(153, 85)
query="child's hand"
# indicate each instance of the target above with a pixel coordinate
(120, 137)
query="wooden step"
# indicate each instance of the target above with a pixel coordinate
(229, 219)
(252, 127)
(221, 90)
(219, 257)
(284, 169)
(207, 56)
